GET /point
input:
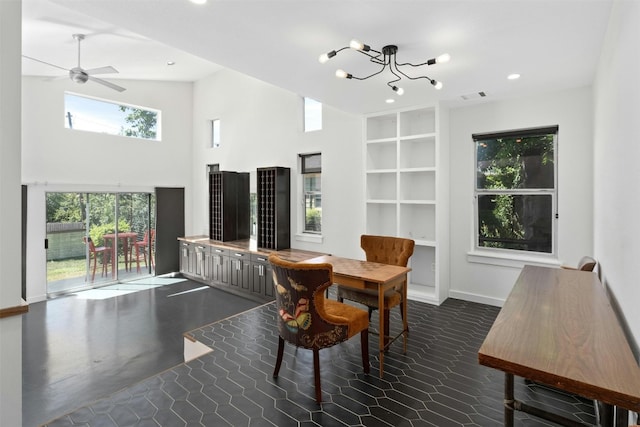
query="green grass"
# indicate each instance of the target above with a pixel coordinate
(72, 268)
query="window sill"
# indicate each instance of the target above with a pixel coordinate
(510, 260)
(309, 238)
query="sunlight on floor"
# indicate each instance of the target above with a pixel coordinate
(118, 289)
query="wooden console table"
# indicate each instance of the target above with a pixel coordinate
(558, 328)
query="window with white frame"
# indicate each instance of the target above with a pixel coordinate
(312, 115)
(311, 169)
(516, 190)
(215, 133)
(102, 116)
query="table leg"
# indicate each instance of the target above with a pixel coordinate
(382, 337)
(508, 400)
(405, 314)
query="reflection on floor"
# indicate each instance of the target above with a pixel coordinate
(438, 382)
(118, 289)
(78, 350)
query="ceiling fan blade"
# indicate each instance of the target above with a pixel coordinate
(102, 70)
(46, 63)
(107, 84)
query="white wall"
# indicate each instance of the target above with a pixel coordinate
(261, 126)
(59, 159)
(572, 111)
(616, 171)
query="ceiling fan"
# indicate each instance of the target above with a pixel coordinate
(80, 75)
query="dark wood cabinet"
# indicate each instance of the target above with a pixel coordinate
(220, 265)
(262, 277)
(239, 277)
(229, 206)
(274, 203)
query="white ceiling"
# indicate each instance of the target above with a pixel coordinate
(553, 44)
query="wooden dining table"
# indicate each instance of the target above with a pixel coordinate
(124, 238)
(375, 276)
(558, 328)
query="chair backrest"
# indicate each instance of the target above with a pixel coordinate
(88, 241)
(387, 249)
(586, 263)
(299, 289)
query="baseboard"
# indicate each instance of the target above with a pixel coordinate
(481, 299)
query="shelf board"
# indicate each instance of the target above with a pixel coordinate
(382, 201)
(382, 140)
(380, 171)
(418, 136)
(417, 202)
(426, 243)
(424, 169)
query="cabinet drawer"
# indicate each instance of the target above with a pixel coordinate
(216, 250)
(240, 255)
(261, 258)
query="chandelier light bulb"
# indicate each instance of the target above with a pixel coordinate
(343, 74)
(398, 90)
(326, 56)
(438, 85)
(358, 45)
(445, 57)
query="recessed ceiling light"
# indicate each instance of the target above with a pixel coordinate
(171, 62)
(390, 101)
(513, 76)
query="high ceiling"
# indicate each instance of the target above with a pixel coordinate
(552, 44)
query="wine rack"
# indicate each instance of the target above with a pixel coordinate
(274, 218)
(229, 206)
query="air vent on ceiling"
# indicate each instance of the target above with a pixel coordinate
(475, 95)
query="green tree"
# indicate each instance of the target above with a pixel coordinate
(142, 123)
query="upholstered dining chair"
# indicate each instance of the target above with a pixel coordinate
(307, 319)
(385, 250)
(586, 263)
(94, 252)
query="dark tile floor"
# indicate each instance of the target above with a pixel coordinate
(437, 383)
(80, 348)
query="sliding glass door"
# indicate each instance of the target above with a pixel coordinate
(95, 239)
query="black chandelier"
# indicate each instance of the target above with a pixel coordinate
(386, 58)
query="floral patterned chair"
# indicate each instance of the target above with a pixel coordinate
(307, 319)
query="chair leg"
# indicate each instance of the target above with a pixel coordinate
(404, 318)
(279, 358)
(364, 349)
(316, 374)
(95, 264)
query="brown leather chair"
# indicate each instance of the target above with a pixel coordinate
(385, 250)
(307, 319)
(586, 263)
(102, 251)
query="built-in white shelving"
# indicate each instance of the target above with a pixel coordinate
(403, 192)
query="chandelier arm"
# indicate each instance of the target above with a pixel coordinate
(429, 62)
(412, 78)
(371, 75)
